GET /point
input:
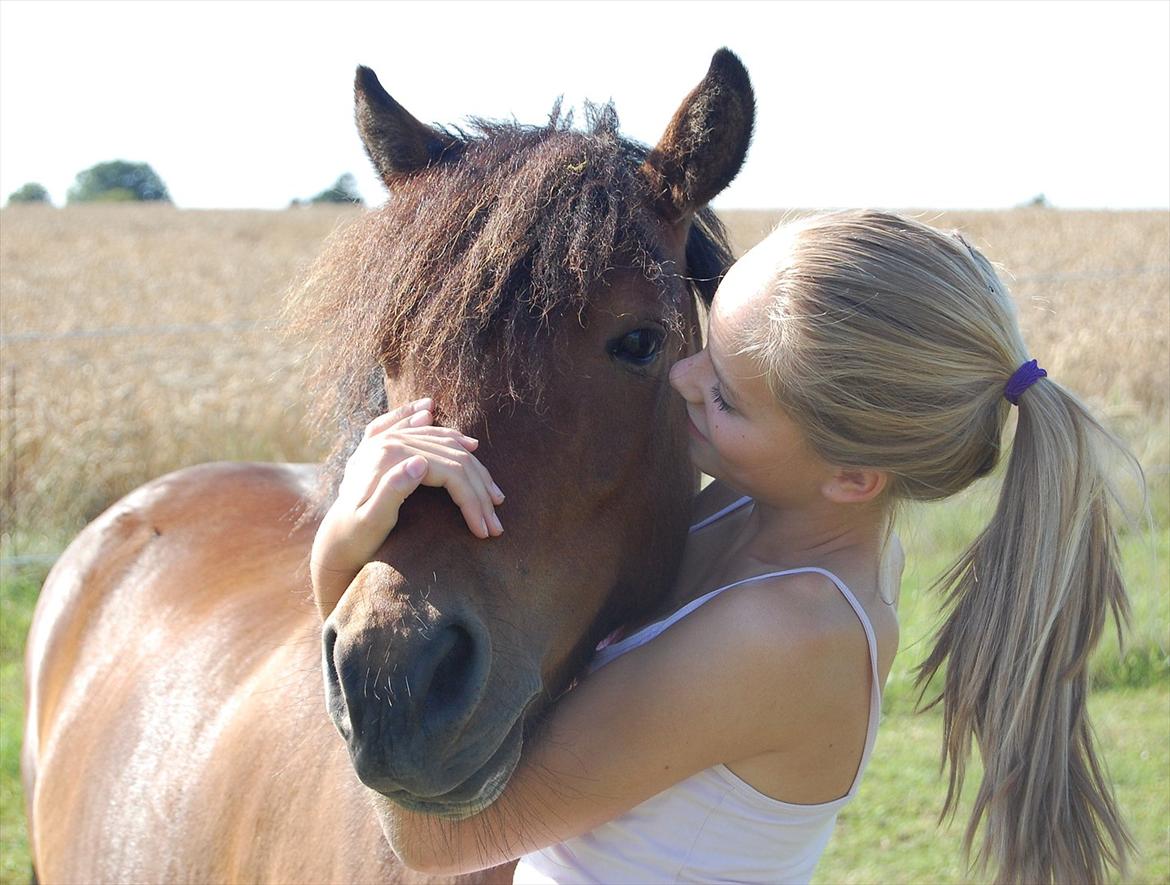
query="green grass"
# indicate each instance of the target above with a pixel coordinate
(891, 831)
(890, 834)
(18, 593)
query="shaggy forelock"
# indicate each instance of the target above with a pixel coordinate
(461, 277)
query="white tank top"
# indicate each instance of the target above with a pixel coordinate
(713, 826)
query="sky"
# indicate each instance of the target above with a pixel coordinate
(872, 103)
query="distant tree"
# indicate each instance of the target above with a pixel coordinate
(344, 190)
(118, 180)
(29, 193)
(1039, 202)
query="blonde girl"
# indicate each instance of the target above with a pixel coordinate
(854, 360)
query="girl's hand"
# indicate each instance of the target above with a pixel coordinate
(399, 451)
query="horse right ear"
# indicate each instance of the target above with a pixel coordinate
(396, 142)
(705, 143)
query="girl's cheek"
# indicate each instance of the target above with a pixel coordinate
(714, 421)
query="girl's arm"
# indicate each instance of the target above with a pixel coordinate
(649, 719)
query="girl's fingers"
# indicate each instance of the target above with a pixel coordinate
(451, 443)
(428, 430)
(376, 479)
(363, 471)
(378, 453)
(471, 507)
(379, 513)
(467, 489)
(391, 418)
(494, 495)
(457, 474)
(495, 491)
(421, 418)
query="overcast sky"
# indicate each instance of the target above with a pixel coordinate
(908, 104)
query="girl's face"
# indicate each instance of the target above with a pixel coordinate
(739, 433)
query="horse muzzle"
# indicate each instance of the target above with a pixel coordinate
(410, 705)
(474, 794)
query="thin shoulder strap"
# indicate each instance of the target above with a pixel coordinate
(715, 517)
(610, 652)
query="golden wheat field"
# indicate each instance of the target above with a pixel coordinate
(137, 339)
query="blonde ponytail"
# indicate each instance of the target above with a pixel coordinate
(891, 343)
(1028, 602)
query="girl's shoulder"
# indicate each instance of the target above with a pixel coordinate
(773, 622)
(764, 649)
(815, 619)
(807, 606)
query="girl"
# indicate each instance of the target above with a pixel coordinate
(853, 361)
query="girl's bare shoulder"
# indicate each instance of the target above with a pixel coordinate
(802, 606)
(803, 623)
(783, 625)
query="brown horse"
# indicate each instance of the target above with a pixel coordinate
(539, 283)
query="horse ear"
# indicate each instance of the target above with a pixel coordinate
(396, 142)
(705, 144)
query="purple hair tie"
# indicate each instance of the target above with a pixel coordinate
(1023, 378)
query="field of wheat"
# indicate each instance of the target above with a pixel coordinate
(138, 339)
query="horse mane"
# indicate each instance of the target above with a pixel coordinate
(462, 275)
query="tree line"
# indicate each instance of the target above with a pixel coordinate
(122, 181)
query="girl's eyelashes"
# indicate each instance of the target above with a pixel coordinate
(720, 402)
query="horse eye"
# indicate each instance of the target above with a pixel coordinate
(639, 347)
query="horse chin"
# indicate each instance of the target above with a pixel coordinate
(476, 793)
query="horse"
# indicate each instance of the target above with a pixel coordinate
(192, 715)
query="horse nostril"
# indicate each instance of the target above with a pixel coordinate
(328, 642)
(402, 701)
(447, 676)
(334, 696)
(328, 661)
(454, 668)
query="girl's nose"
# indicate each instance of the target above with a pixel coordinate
(682, 376)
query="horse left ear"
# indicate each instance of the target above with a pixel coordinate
(706, 142)
(396, 142)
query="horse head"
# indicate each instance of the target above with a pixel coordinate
(538, 282)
